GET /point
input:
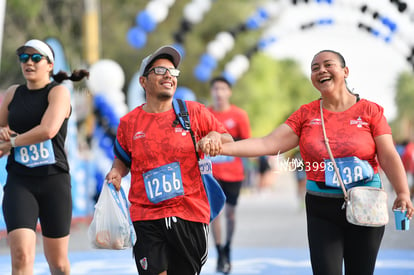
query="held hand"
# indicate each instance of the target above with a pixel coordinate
(5, 148)
(403, 201)
(5, 133)
(115, 178)
(210, 144)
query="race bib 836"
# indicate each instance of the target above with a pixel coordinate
(34, 155)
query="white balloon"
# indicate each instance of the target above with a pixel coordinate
(115, 97)
(203, 5)
(192, 13)
(242, 62)
(157, 10)
(215, 49)
(105, 76)
(273, 8)
(231, 69)
(226, 40)
(168, 3)
(120, 110)
(237, 66)
(136, 94)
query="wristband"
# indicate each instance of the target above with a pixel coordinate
(13, 141)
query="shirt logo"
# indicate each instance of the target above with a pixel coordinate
(181, 130)
(358, 122)
(139, 134)
(230, 123)
(315, 121)
(144, 263)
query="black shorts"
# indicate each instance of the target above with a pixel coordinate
(263, 165)
(232, 190)
(172, 244)
(49, 199)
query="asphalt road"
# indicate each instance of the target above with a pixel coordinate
(271, 225)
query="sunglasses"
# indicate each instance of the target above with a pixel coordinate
(163, 71)
(36, 57)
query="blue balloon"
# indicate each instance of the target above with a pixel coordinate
(208, 61)
(325, 21)
(146, 21)
(99, 102)
(230, 78)
(387, 39)
(136, 37)
(180, 48)
(202, 73)
(263, 13)
(106, 144)
(106, 111)
(263, 43)
(253, 23)
(185, 93)
(375, 32)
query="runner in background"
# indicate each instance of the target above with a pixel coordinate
(407, 158)
(228, 171)
(300, 176)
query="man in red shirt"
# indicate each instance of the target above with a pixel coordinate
(169, 206)
(227, 170)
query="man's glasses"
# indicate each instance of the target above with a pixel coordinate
(163, 71)
(36, 57)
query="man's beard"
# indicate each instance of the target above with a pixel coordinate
(164, 96)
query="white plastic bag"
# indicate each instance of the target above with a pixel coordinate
(111, 227)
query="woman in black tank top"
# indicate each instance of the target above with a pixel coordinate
(33, 126)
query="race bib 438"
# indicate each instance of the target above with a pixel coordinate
(352, 170)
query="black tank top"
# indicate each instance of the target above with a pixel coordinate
(26, 110)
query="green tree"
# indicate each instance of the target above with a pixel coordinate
(403, 125)
(269, 91)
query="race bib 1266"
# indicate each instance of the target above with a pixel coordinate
(164, 182)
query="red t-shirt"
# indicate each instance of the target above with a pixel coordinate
(152, 141)
(350, 133)
(236, 121)
(408, 157)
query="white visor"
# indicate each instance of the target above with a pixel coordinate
(41, 47)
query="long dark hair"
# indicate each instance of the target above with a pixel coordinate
(76, 75)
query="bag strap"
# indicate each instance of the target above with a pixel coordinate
(331, 156)
(183, 117)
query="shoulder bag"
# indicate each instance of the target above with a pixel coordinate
(365, 206)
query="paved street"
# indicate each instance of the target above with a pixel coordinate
(270, 239)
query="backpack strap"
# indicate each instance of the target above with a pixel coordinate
(181, 112)
(183, 117)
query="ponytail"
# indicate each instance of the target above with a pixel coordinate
(76, 75)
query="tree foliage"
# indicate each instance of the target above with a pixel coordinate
(403, 126)
(269, 91)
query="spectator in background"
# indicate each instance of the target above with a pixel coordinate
(407, 158)
(228, 171)
(300, 176)
(265, 173)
